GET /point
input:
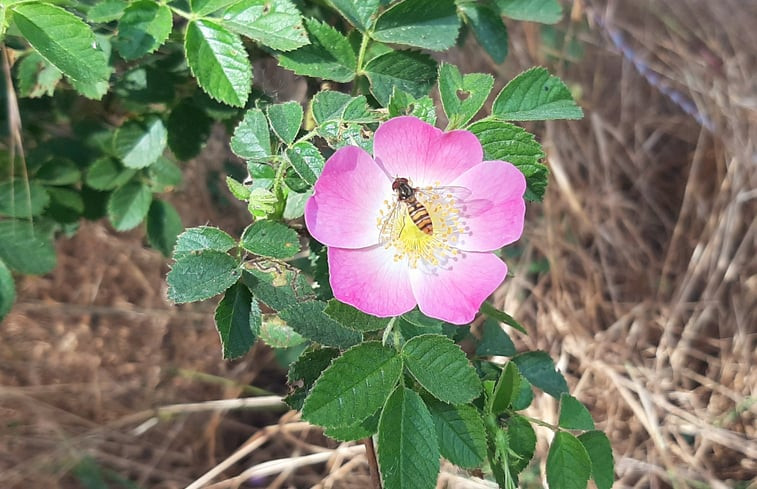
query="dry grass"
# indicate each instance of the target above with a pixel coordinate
(649, 303)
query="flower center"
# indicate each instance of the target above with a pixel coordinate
(404, 225)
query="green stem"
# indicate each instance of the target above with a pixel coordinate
(361, 54)
(181, 13)
(540, 422)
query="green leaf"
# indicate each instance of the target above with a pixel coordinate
(488, 28)
(19, 198)
(333, 109)
(128, 205)
(201, 275)
(219, 62)
(139, 143)
(163, 175)
(273, 23)
(506, 389)
(205, 7)
(26, 249)
(574, 415)
(202, 238)
(188, 129)
(410, 71)
(163, 226)
(7, 290)
(429, 24)
(507, 142)
(353, 318)
(66, 205)
(408, 451)
(237, 321)
(58, 171)
(460, 432)
(295, 205)
(494, 341)
(66, 42)
(238, 189)
(329, 105)
(539, 369)
(462, 96)
(524, 396)
(600, 453)
(568, 463)
(308, 319)
(402, 103)
(441, 367)
(143, 28)
(276, 283)
(304, 371)
(354, 387)
(106, 11)
(251, 139)
(277, 334)
(522, 443)
(358, 12)
(544, 11)
(306, 160)
(286, 120)
(35, 76)
(417, 318)
(358, 431)
(269, 238)
(329, 54)
(535, 95)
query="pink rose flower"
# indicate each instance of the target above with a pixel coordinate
(385, 257)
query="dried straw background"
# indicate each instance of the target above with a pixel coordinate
(649, 303)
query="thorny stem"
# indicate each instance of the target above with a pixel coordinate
(370, 454)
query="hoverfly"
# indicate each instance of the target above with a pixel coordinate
(418, 212)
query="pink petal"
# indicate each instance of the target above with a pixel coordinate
(495, 215)
(454, 294)
(348, 197)
(371, 280)
(408, 147)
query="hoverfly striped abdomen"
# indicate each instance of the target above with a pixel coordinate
(417, 211)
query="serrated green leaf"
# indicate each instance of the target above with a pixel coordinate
(462, 96)
(329, 54)
(574, 415)
(66, 42)
(106, 11)
(525, 395)
(237, 320)
(441, 367)
(358, 431)
(308, 319)
(544, 11)
(568, 463)
(408, 451)
(36, 77)
(58, 171)
(353, 318)
(251, 139)
(488, 28)
(25, 248)
(143, 28)
(295, 205)
(276, 284)
(286, 120)
(128, 205)
(273, 23)
(358, 12)
(306, 160)
(402, 103)
(7, 290)
(460, 432)
(144, 85)
(164, 175)
(420, 320)
(600, 453)
(205, 7)
(430, 24)
(410, 71)
(329, 105)
(521, 442)
(219, 62)
(22, 198)
(66, 205)
(139, 143)
(277, 334)
(507, 387)
(202, 238)
(201, 275)
(494, 341)
(539, 369)
(354, 387)
(238, 189)
(508, 142)
(304, 371)
(535, 95)
(269, 238)
(163, 226)
(188, 130)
